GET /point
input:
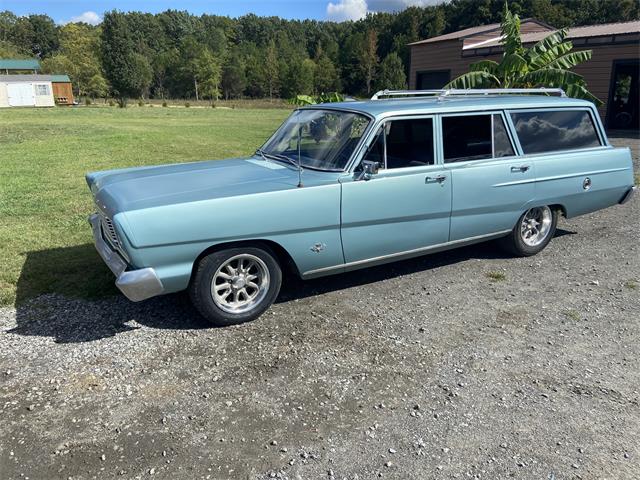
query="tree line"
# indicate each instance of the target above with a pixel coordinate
(178, 55)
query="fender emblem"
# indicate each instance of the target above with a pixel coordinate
(318, 247)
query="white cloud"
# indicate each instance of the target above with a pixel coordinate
(356, 9)
(396, 5)
(92, 18)
(346, 10)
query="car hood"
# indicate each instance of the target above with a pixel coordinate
(147, 187)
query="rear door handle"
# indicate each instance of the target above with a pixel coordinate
(438, 178)
(521, 168)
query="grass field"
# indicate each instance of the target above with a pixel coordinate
(45, 241)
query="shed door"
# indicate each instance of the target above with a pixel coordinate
(21, 94)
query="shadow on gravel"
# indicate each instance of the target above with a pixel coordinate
(51, 299)
(54, 285)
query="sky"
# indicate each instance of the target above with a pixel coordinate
(63, 11)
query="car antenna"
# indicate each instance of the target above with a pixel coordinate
(299, 162)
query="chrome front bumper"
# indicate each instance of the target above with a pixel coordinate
(136, 285)
(628, 196)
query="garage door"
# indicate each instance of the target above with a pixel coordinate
(21, 94)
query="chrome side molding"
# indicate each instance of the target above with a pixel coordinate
(369, 262)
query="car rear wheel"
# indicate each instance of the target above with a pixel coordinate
(534, 230)
(235, 285)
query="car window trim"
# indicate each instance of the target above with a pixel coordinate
(357, 148)
(516, 151)
(382, 121)
(595, 120)
(348, 168)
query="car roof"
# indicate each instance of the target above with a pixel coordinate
(422, 105)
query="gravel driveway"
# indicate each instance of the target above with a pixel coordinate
(464, 364)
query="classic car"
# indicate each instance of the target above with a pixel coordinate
(348, 185)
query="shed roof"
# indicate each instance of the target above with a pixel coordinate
(11, 64)
(35, 78)
(587, 31)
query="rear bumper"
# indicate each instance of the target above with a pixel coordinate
(628, 196)
(136, 285)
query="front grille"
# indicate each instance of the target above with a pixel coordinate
(109, 231)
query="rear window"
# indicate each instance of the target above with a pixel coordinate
(553, 131)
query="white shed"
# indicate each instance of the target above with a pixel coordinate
(26, 91)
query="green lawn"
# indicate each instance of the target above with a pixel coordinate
(45, 241)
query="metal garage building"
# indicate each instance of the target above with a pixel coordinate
(613, 73)
(26, 91)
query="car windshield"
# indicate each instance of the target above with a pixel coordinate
(324, 139)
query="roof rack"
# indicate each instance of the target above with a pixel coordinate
(440, 94)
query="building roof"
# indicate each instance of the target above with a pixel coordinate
(587, 31)
(10, 64)
(470, 32)
(35, 78)
(413, 105)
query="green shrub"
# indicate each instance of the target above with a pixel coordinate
(164, 103)
(87, 101)
(141, 103)
(111, 103)
(187, 104)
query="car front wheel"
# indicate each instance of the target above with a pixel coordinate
(235, 285)
(534, 230)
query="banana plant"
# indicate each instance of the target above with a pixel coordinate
(302, 100)
(546, 64)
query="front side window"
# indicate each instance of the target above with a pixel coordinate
(475, 137)
(552, 131)
(320, 139)
(404, 143)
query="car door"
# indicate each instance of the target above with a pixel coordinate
(492, 185)
(405, 207)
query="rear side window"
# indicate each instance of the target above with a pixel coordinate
(553, 131)
(475, 137)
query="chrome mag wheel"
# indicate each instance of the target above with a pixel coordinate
(240, 284)
(536, 226)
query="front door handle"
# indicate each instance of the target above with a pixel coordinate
(438, 178)
(521, 168)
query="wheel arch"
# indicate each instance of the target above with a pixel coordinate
(284, 259)
(560, 208)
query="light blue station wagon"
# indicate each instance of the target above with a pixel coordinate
(348, 185)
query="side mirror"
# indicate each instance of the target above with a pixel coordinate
(369, 169)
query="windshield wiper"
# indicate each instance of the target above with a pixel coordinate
(262, 154)
(278, 156)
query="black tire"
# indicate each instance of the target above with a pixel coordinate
(200, 288)
(515, 244)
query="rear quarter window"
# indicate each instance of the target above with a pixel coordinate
(553, 131)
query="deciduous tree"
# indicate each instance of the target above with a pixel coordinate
(392, 74)
(128, 71)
